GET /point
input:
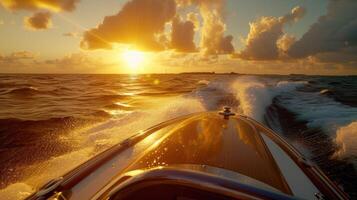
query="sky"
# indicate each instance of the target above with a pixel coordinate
(173, 36)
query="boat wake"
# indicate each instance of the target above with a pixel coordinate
(308, 119)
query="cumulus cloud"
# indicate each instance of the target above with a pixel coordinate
(139, 23)
(333, 34)
(213, 40)
(285, 42)
(191, 16)
(34, 5)
(128, 27)
(266, 36)
(38, 21)
(70, 34)
(71, 60)
(20, 55)
(18, 58)
(182, 35)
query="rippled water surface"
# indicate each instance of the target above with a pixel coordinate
(52, 123)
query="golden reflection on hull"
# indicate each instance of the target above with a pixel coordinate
(211, 140)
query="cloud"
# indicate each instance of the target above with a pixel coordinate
(19, 55)
(38, 21)
(34, 5)
(139, 23)
(334, 33)
(84, 62)
(16, 59)
(266, 36)
(182, 35)
(285, 42)
(213, 40)
(70, 34)
(28, 62)
(346, 56)
(191, 16)
(75, 59)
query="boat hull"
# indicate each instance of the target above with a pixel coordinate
(231, 147)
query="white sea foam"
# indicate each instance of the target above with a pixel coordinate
(255, 96)
(211, 95)
(116, 130)
(333, 118)
(40, 173)
(346, 139)
(319, 111)
(203, 82)
(16, 191)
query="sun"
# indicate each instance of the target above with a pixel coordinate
(133, 59)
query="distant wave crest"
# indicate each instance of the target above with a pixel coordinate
(24, 91)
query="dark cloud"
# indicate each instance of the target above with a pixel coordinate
(331, 34)
(38, 21)
(182, 35)
(346, 55)
(263, 40)
(139, 23)
(33, 5)
(226, 45)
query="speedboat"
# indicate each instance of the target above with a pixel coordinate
(208, 155)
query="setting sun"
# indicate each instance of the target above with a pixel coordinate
(133, 59)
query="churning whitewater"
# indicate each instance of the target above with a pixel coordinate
(56, 122)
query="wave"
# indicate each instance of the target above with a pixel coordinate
(116, 129)
(94, 138)
(119, 106)
(325, 92)
(249, 95)
(106, 97)
(24, 91)
(346, 139)
(203, 82)
(16, 191)
(255, 96)
(215, 95)
(320, 113)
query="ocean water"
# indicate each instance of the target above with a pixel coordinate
(49, 124)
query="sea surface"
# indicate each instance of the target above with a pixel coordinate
(49, 124)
